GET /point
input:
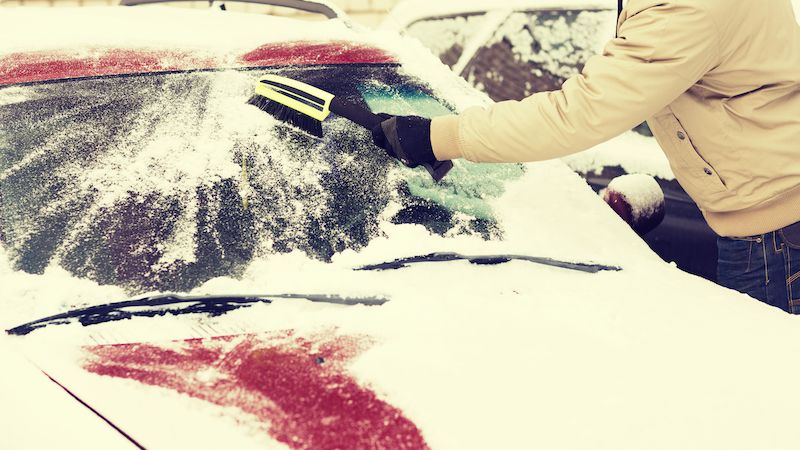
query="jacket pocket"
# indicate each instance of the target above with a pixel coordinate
(791, 236)
(696, 175)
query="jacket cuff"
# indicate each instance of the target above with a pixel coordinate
(444, 138)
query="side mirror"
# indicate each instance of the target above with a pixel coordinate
(638, 200)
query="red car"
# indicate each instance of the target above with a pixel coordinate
(182, 270)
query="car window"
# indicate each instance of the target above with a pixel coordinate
(163, 181)
(539, 50)
(446, 36)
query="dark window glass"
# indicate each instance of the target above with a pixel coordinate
(537, 51)
(447, 36)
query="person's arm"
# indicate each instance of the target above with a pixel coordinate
(662, 50)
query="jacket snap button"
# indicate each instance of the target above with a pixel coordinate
(708, 171)
(681, 135)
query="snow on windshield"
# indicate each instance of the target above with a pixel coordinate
(537, 51)
(52, 229)
(165, 181)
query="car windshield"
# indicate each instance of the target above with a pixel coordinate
(164, 181)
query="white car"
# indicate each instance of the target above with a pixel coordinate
(182, 270)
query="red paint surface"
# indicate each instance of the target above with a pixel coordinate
(308, 53)
(42, 66)
(278, 378)
(39, 66)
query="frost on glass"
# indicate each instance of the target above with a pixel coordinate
(163, 181)
(447, 36)
(539, 50)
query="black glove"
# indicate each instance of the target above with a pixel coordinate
(406, 138)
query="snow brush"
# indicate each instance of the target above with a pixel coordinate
(306, 106)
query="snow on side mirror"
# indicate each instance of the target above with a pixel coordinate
(638, 200)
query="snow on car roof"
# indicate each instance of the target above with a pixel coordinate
(225, 37)
(157, 27)
(411, 11)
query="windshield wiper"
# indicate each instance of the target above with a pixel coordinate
(177, 305)
(487, 260)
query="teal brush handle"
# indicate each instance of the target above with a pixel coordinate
(360, 115)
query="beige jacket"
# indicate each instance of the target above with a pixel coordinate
(719, 81)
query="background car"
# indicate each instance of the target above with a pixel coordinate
(195, 273)
(511, 50)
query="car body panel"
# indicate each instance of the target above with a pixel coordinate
(37, 413)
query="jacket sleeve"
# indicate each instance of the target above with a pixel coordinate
(662, 50)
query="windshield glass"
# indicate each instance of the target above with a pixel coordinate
(164, 181)
(544, 48)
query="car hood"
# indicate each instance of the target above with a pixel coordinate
(461, 355)
(461, 359)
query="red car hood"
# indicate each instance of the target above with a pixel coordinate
(273, 387)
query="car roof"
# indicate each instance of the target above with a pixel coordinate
(181, 37)
(410, 11)
(326, 8)
(21, 68)
(157, 27)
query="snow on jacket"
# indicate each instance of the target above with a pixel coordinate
(718, 81)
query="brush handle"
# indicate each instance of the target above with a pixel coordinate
(360, 115)
(355, 113)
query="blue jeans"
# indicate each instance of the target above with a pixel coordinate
(766, 267)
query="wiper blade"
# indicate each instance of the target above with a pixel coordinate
(177, 305)
(488, 260)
